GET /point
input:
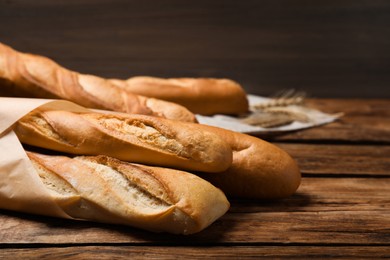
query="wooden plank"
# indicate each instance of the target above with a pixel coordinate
(364, 120)
(340, 227)
(326, 194)
(340, 159)
(354, 211)
(352, 107)
(242, 252)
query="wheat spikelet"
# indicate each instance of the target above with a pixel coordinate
(284, 108)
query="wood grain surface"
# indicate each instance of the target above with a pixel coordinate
(220, 252)
(328, 48)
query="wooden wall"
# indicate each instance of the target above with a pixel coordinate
(335, 48)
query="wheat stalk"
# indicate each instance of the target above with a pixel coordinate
(283, 98)
(280, 110)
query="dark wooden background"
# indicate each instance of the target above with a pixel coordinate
(337, 48)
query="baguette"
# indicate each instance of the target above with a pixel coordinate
(259, 170)
(28, 75)
(206, 96)
(104, 189)
(135, 138)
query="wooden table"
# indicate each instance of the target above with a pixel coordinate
(341, 210)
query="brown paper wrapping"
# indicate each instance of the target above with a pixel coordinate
(20, 186)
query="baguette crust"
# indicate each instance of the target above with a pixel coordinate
(206, 96)
(134, 138)
(260, 170)
(104, 189)
(28, 75)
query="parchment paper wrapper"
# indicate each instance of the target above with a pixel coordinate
(315, 118)
(20, 186)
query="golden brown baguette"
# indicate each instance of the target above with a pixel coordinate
(206, 96)
(28, 75)
(104, 189)
(135, 138)
(260, 170)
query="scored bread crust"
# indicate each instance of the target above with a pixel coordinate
(28, 75)
(134, 138)
(104, 189)
(206, 96)
(260, 170)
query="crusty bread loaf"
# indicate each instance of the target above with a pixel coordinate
(206, 96)
(28, 75)
(104, 189)
(260, 170)
(134, 138)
